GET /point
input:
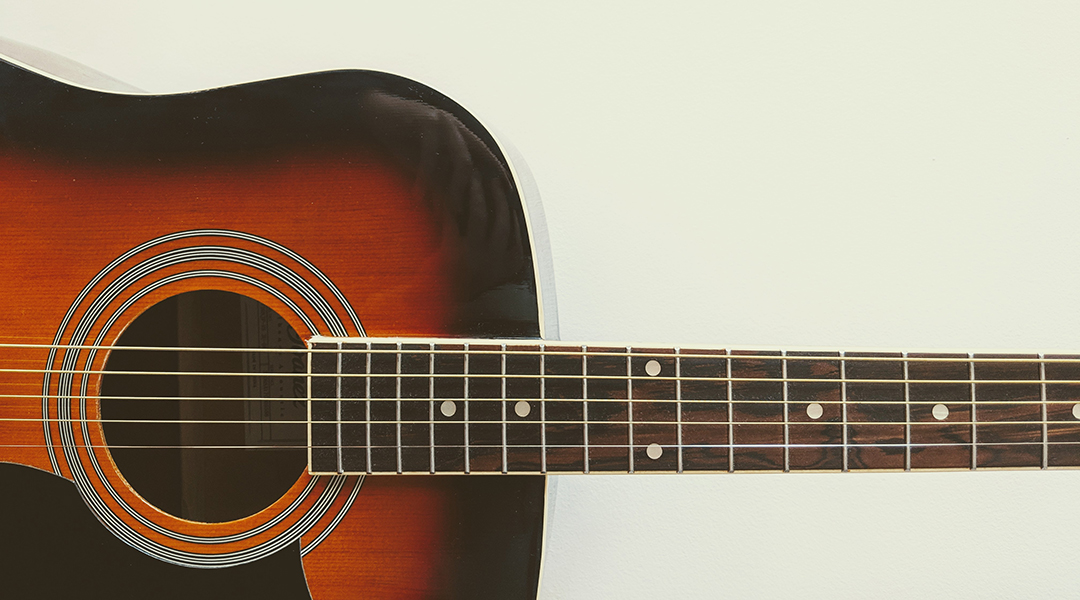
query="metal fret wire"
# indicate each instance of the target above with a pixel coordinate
(431, 407)
(465, 394)
(843, 409)
(907, 417)
(585, 403)
(1042, 398)
(397, 398)
(505, 464)
(340, 462)
(309, 408)
(630, 405)
(678, 410)
(543, 413)
(787, 433)
(367, 407)
(730, 415)
(974, 439)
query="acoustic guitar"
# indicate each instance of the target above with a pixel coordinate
(287, 339)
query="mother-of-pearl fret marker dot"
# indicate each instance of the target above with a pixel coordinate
(522, 409)
(814, 411)
(654, 451)
(1076, 410)
(652, 368)
(941, 412)
(448, 408)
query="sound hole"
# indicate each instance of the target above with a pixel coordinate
(240, 444)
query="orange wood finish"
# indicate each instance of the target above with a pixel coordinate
(387, 544)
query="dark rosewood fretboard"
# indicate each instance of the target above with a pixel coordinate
(483, 406)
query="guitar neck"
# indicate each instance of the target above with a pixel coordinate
(484, 406)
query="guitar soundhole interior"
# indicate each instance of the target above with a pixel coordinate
(224, 457)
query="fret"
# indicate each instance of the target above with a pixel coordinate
(706, 407)
(974, 418)
(354, 408)
(1062, 428)
(323, 415)
(543, 410)
(367, 405)
(787, 429)
(485, 432)
(654, 422)
(449, 412)
(384, 408)
(337, 408)
(816, 442)
(431, 408)
(939, 443)
(758, 420)
(585, 404)
(1007, 418)
(397, 404)
(608, 429)
(730, 414)
(564, 428)
(845, 462)
(629, 411)
(524, 434)
(1042, 399)
(502, 367)
(414, 402)
(678, 408)
(465, 403)
(875, 411)
(310, 402)
(907, 414)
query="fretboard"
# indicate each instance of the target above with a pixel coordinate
(492, 406)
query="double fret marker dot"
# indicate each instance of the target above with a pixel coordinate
(941, 412)
(1076, 410)
(522, 409)
(652, 368)
(654, 451)
(814, 411)
(448, 408)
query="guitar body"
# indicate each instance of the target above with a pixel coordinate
(347, 203)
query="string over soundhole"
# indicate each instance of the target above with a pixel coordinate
(210, 433)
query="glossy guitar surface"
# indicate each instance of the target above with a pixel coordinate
(341, 203)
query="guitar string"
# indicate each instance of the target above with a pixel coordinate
(538, 446)
(590, 422)
(525, 421)
(528, 376)
(692, 401)
(685, 353)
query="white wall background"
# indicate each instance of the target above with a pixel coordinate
(902, 175)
